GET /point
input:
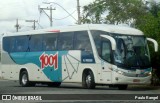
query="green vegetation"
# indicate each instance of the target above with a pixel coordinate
(136, 13)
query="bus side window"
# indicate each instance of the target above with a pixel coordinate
(35, 43)
(20, 44)
(12, 44)
(49, 42)
(82, 41)
(65, 41)
(7, 44)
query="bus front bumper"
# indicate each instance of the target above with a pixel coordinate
(121, 79)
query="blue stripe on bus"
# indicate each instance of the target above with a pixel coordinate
(51, 72)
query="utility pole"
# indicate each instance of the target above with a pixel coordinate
(78, 10)
(34, 23)
(50, 17)
(51, 21)
(17, 25)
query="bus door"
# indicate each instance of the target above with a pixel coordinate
(106, 60)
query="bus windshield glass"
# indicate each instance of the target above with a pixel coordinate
(132, 52)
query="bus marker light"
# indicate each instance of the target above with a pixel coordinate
(56, 31)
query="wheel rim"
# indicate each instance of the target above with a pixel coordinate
(24, 79)
(88, 80)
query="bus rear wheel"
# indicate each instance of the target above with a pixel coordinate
(88, 80)
(24, 81)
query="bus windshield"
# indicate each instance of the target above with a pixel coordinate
(131, 52)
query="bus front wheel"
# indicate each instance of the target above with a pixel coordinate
(88, 80)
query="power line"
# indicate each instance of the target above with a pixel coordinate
(62, 8)
(65, 16)
(39, 18)
(50, 9)
(39, 21)
(40, 25)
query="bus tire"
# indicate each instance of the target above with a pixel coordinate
(54, 84)
(88, 80)
(122, 87)
(24, 81)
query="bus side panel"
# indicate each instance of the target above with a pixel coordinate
(67, 67)
(9, 70)
(35, 73)
(50, 62)
(71, 66)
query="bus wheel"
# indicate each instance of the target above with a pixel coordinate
(122, 87)
(88, 80)
(54, 84)
(24, 81)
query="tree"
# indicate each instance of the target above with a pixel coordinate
(113, 11)
(150, 25)
(151, 28)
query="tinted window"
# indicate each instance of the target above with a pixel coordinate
(7, 44)
(106, 50)
(35, 43)
(21, 44)
(49, 42)
(97, 39)
(12, 44)
(82, 41)
(16, 44)
(65, 41)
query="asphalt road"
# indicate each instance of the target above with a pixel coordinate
(72, 89)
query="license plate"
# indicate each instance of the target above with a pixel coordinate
(136, 80)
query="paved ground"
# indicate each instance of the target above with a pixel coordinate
(71, 90)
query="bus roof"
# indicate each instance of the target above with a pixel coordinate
(104, 27)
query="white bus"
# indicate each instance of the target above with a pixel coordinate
(93, 54)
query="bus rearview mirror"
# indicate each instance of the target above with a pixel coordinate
(155, 44)
(111, 39)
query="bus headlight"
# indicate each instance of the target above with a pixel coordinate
(150, 73)
(120, 72)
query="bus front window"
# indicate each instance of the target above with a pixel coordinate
(131, 52)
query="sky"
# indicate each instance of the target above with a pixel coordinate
(10, 10)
